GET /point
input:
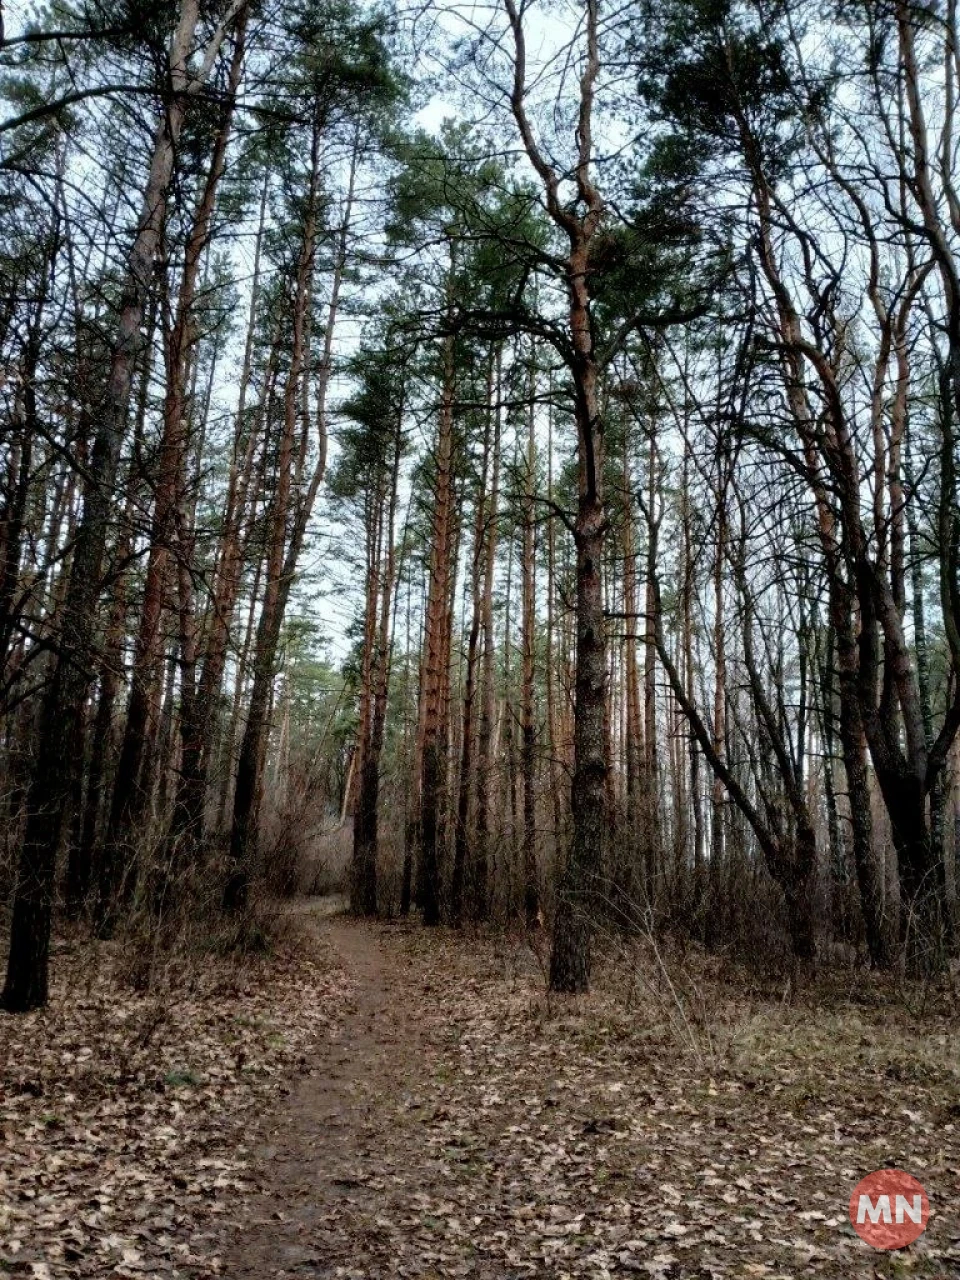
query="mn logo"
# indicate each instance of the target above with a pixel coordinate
(889, 1209)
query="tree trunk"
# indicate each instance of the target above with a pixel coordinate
(247, 789)
(651, 836)
(283, 553)
(628, 880)
(463, 848)
(84, 857)
(228, 575)
(696, 800)
(486, 796)
(61, 725)
(185, 831)
(436, 640)
(715, 906)
(570, 958)
(363, 881)
(131, 788)
(362, 866)
(528, 745)
(550, 675)
(854, 748)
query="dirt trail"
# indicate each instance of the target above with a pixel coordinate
(458, 1124)
(336, 1166)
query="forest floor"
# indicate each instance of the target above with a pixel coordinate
(387, 1102)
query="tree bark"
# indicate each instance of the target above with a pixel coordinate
(131, 792)
(363, 881)
(570, 957)
(433, 763)
(61, 726)
(486, 794)
(283, 551)
(464, 846)
(528, 741)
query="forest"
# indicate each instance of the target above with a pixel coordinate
(479, 558)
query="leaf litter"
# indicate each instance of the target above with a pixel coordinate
(426, 1111)
(126, 1119)
(507, 1135)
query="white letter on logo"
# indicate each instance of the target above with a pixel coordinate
(903, 1208)
(880, 1213)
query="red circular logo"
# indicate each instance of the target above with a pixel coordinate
(889, 1209)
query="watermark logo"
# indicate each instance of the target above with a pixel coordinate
(889, 1209)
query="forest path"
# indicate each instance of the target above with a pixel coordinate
(343, 1161)
(459, 1123)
